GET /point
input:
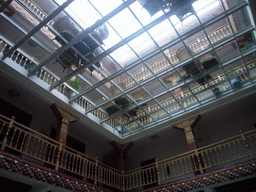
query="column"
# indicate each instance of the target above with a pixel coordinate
(64, 118)
(122, 150)
(62, 130)
(187, 126)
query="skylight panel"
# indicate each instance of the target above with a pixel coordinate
(82, 12)
(163, 33)
(113, 38)
(106, 6)
(86, 13)
(124, 55)
(143, 16)
(143, 44)
(205, 5)
(125, 23)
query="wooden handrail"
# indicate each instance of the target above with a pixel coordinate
(37, 134)
(45, 149)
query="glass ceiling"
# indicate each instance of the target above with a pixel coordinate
(137, 70)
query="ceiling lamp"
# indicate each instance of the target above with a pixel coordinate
(181, 8)
(14, 93)
(154, 137)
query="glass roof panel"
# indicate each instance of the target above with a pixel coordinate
(197, 43)
(186, 83)
(139, 94)
(172, 78)
(189, 99)
(158, 63)
(163, 33)
(112, 123)
(13, 37)
(125, 23)
(92, 76)
(141, 13)
(124, 55)
(228, 4)
(109, 89)
(185, 25)
(250, 61)
(164, 100)
(141, 112)
(151, 106)
(207, 9)
(109, 108)
(83, 12)
(106, 6)
(195, 87)
(154, 87)
(242, 17)
(56, 68)
(146, 119)
(246, 42)
(124, 81)
(140, 73)
(224, 87)
(169, 103)
(143, 44)
(22, 14)
(227, 51)
(208, 61)
(77, 84)
(108, 66)
(132, 126)
(217, 76)
(219, 31)
(178, 94)
(36, 52)
(112, 39)
(95, 97)
(172, 52)
(235, 70)
(205, 95)
(159, 114)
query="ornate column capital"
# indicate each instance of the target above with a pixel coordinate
(61, 113)
(188, 124)
(122, 150)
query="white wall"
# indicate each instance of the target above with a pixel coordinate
(166, 146)
(227, 121)
(95, 145)
(213, 126)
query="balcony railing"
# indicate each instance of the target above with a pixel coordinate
(33, 144)
(40, 147)
(226, 151)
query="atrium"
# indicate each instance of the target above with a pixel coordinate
(129, 70)
(105, 77)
